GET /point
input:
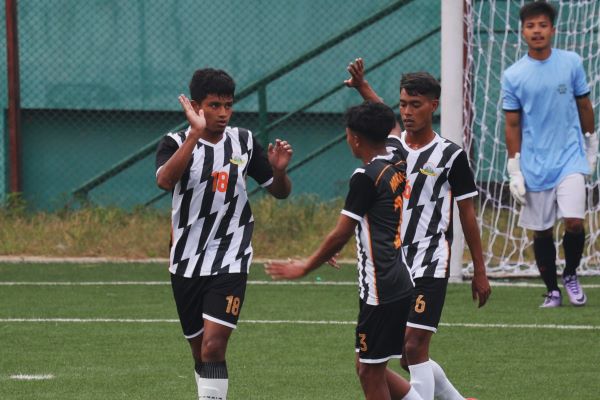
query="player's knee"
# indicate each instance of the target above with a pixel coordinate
(213, 349)
(573, 225)
(415, 347)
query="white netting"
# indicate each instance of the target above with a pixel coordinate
(494, 42)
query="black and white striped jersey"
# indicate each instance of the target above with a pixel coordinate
(375, 200)
(437, 174)
(211, 219)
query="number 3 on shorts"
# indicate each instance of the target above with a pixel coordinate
(420, 304)
(363, 341)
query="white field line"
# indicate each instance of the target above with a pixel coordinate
(255, 282)
(24, 377)
(292, 322)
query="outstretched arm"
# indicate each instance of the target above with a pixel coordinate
(332, 244)
(170, 173)
(357, 80)
(279, 156)
(480, 285)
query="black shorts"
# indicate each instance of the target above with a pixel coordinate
(428, 299)
(380, 331)
(217, 298)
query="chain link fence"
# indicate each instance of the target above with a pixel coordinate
(99, 82)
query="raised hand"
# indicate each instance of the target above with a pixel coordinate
(279, 154)
(196, 120)
(291, 269)
(357, 74)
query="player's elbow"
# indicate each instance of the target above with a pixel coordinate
(164, 183)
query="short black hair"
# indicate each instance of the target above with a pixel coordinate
(537, 8)
(371, 120)
(421, 83)
(211, 81)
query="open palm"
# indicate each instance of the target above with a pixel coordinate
(196, 120)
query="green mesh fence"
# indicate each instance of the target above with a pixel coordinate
(100, 80)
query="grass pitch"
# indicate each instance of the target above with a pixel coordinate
(108, 331)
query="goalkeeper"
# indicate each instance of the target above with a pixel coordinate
(551, 145)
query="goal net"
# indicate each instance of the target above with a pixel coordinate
(493, 43)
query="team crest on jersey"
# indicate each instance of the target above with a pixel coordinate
(562, 88)
(237, 160)
(428, 169)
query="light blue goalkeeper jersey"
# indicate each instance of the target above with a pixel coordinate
(545, 92)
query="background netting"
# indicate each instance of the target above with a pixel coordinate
(494, 42)
(100, 80)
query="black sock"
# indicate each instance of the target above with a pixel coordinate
(545, 258)
(212, 370)
(573, 246)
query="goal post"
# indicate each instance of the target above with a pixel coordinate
(451, 105)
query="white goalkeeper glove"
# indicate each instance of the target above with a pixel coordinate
(517, 182)
(591, 150)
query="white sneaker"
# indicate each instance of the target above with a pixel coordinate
(552, 299)
(576, 295)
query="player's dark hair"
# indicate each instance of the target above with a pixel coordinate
(211, 81)
(537, 8)
(421, 83)
(373, 121)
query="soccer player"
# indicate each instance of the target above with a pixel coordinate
(205, 167)
(438, 174)
(373, 211)
(551, 145)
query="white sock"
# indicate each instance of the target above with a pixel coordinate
(212, 388)
(412, 395)
(421, 378)
(444, 390)
(212, 380)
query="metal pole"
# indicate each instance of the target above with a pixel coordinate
(451, 106)
(14, 102)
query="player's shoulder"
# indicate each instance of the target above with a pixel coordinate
(449, 144)
(450, 149)
(515, 69)
(360, 174)
(176, 136)
(394, 143)
(238, 131)
(240, 135)
(517, 64)
(378, 164)
(568, 58)
(566, 54)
